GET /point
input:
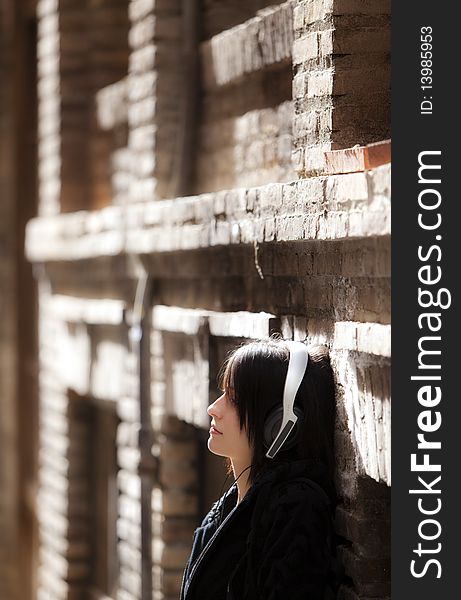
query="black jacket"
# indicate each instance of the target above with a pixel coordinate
(275, 544)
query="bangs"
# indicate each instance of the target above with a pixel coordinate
(226, 375)
(252, 373)
(230, 378)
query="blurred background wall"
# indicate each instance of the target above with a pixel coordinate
(177, 177)
(18, 301)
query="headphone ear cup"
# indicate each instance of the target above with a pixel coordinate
(272, 426)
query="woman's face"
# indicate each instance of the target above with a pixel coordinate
(226, 437)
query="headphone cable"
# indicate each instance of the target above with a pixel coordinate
(222, 487)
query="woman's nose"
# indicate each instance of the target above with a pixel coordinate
(213, 409)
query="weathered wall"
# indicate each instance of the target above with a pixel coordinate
(18, 406)
(82, 47)
(325, 267)
(254, 250)
(8, 337)
(246, 113)
(83, 353)
(219, 15)
(154, 97)
(341, 83)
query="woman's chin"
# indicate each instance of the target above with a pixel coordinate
(211, 443)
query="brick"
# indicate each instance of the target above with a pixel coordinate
(45, 7)
(131, 582)
(325, 41)
(143, 138)
(379, 183)
(305, 48)
(129, 532)
(347, 190)
(142, 33)
(130, 557)
(314, 161)
(138, 9)
(318, 10)
(143, 59)
(320, 83)
(298, 17)
(299, 85)
(142, 112)
(360, 158)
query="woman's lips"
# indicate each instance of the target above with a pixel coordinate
(215, 431)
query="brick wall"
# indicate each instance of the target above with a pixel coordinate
(219, 15)
(18, 410)
(81, 49)
(107, 33)
(83, 347)
(154, 96)
(280, 234)
(332, 291)
(8, 336)
(49, 135)
(341, 83)
(245, 132)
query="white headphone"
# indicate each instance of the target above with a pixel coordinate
(297, 365)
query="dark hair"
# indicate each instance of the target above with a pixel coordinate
(255, 373)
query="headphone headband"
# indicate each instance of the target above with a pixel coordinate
(297, 364)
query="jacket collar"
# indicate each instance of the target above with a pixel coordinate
(281, 471)
(287, 470)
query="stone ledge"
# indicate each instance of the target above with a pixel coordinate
(260, 42)
(229, 324)
(353, 205)
(90, 311)
(369, 338)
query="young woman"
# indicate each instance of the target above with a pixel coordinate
(269, 537)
